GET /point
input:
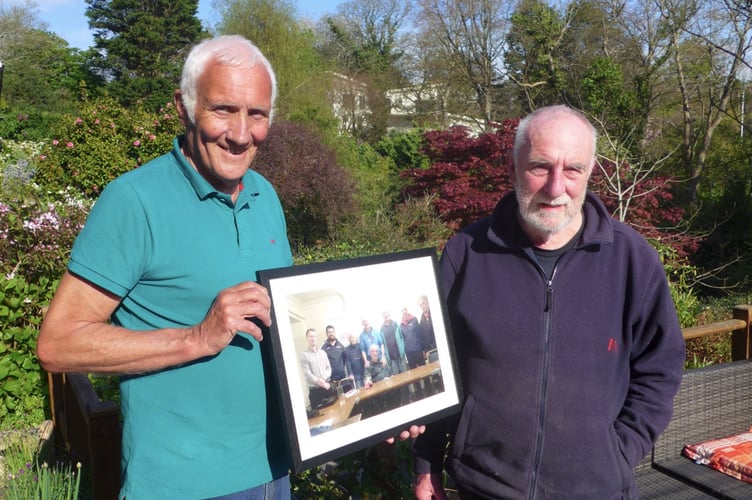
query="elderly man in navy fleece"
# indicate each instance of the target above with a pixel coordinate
(567, 339)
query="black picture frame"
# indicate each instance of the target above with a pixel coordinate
(342, 294)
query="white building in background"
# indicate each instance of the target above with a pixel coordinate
(415, 105)
(427, 105)
(349, 98)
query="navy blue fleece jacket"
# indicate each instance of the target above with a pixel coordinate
(568, 381)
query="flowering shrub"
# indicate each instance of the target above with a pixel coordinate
(18, 163)
(36, 236)
(105, 140)
(35, 239)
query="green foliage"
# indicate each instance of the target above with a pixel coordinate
(35, 239)
(27, 473)
(608, 97)
(104, 141)
(728, 191)
(405, 149)
(380, 472)
(377, 183)
(40, 71)
(22, 382)
(19, 124)
(289, 46)
(681, 277)
(406, 226)
(533, 54)
(144, 44)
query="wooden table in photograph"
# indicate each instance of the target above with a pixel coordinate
(339, 413)
(401, 379)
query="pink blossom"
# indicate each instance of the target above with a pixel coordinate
(137, 143)
(152, 137)
(69, 145)
(78, 121)
(42, 157)
(96, 122)
(55, 142)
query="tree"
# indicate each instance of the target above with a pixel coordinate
(533, 55)
(366, 42)
(41, 73)
(710, 42)
(470, 37)
(467, 174)
(144, 45)
(366, 36)
(303, 83)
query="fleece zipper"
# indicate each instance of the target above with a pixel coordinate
(547, 308)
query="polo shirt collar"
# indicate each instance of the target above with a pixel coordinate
(202, 187)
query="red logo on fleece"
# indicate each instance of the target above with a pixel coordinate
(612, 347)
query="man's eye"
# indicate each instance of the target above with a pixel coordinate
(539, 171)
(573, 173)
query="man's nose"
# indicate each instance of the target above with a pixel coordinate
(555, 183)
(239, 130)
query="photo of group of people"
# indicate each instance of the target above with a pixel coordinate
(365, 355)
(361, 349)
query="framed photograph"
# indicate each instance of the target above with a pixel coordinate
(362, 350)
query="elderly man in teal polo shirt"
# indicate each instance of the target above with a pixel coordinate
(160, 289)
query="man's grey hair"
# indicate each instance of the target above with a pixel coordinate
(521, 137)
(229, 50)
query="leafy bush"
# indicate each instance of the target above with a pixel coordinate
(468, 174)
(35, 241)
(23, 385)
(380, 472)
(681, 274)
(87, 151)
(316, 193)
(407, 226)
(377, 184)
(23, 125)
(405, 149)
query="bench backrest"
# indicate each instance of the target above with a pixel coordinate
(712, 402)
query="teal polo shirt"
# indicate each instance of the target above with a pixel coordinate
(166, 242)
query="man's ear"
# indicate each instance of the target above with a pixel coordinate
(512, 172)
(177, 98)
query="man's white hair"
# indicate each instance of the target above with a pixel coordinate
(230, 50)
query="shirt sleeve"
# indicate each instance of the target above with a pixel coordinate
(99, 254)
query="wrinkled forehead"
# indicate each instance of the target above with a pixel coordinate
(560, 137)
